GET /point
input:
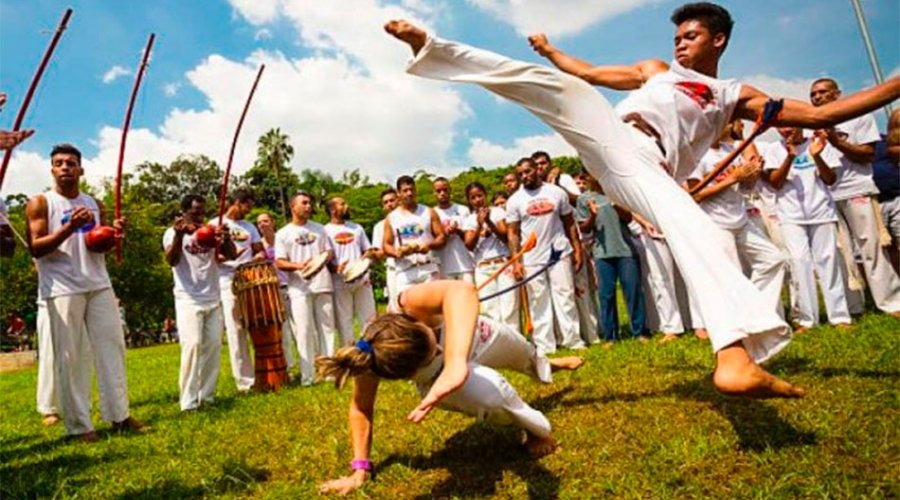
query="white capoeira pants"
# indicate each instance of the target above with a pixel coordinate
(486, 394)
(551, 297)
(857, 215)
(813, 250)
(505, 308)
(768, 222)
(46, 385)
(200, 338)
(313, 322)
(587, 300)
(661, 296)
(890, 214)
(242, 368)
(414, 275)
(627, 164)
(467, 276)
(288, 344)
(82, 324)
(353, 301)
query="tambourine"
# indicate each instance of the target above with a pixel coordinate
(356, 269)
(315, 265)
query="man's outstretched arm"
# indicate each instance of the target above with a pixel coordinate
(800, 114)
(614, 77)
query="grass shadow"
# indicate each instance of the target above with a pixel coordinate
(758, 425)
(796, 364)
(236, 477)
(49, 475)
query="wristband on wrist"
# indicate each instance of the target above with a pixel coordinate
(363, 464)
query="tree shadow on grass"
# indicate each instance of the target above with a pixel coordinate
(478, 457)
(49, 475)
(795, 364)
(236, 477)
(758, 425)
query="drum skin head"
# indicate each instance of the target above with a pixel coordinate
(315, 265)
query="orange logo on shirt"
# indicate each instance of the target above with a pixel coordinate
(344, 238)
(540, 206)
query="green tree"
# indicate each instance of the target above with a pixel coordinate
(274, 153)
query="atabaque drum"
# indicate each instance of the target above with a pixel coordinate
(260, 309)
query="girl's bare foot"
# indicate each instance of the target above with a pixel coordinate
(404, 31)
(571, 363)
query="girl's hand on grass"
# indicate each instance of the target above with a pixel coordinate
(346, 484)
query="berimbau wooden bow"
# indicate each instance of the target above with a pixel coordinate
(134, 90)
(20, 117)
(237, 133)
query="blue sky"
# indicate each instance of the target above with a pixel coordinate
(336, 85)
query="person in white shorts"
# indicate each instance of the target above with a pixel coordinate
(412, 234)
(312, 302)
(388, 204)
(543, 209)
(433, 336)
(853, 193)
(249, 247)
(723, 201)
(350, 244)
(485, 236)
(674, 115)
(801, 169)
(81, 304)
(198, 303)
(455, 259)
(266, 227)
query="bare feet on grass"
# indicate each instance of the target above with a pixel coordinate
(404, 31)
(538, 446)
(701, 333)
(668, 337)
(738, 375)
(570, 363)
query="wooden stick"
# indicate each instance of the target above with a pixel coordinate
(234, 141)
(125, 127)
(20, 117)
(527, 247)
(526, 311)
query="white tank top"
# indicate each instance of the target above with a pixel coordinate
(688, 109)
(71, 268)
(412, 227)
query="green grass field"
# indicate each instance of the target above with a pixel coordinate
(637, 421)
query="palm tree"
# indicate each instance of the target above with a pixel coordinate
(275, 152)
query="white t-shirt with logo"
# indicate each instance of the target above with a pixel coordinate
(804, 198)
(197, 273)
(489, 246)
(71, 268)
(244, 235)
(349, 242)
(855, 179)
(413, 228)
(688, 109)
(298, 244)
(727, 208)
(539, 211)
(378, 242)
(455, 257)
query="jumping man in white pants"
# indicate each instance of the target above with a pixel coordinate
(81, 305)
(687, 106)
(434, 337)
(198, 304)
(350, 243)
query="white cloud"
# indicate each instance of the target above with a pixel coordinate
(262, 34)
(28, 172)
(257, 11)
(485, 153)
(555, 17)
(114, 73)
(171, 89)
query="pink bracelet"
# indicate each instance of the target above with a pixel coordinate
(363, 464)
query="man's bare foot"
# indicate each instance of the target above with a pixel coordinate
(570, 363)
(51, 419)
(668, 337)
(608, 345)
(844, 326)
(131, 424)
(87, 437)
(800, 329)
(642, 339)
(701, 333)
(404, 31)
(538, 446)
(738, 375)
(895, 314)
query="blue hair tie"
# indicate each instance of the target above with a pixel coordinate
(364, 346)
